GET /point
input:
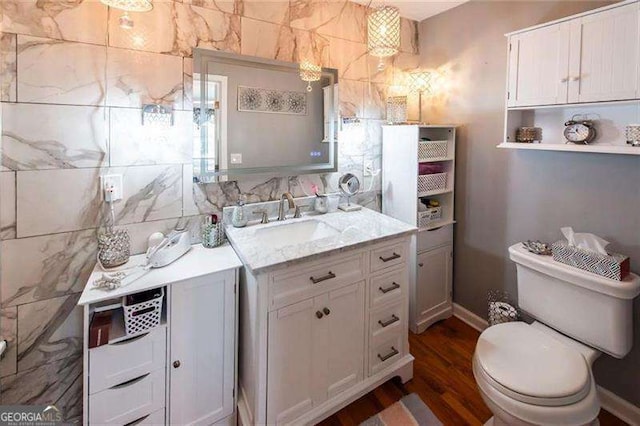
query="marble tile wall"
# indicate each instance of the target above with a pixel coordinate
(72, 84)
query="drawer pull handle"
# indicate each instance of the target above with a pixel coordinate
(319, 314)
(392, 287)
(393, 353)
(394, 256)
(388, 322)
(326, 311)
(329, 276)
(129, 382)
(138, 421)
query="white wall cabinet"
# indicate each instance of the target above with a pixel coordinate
(182, 371)
(604, 62)
(538, 66)
(320, 334)
(592, 57)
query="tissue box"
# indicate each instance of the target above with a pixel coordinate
(614, 266)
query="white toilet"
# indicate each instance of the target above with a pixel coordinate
(540, 373)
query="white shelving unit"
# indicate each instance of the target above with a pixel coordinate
(555, 71)
(404, 147)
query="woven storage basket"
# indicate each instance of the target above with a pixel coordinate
(142, 316)
(432, 182)
(433, 149)
(614, 266)
(429, 216)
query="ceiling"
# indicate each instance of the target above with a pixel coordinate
(417, 10)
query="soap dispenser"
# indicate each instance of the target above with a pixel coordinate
(239, 217)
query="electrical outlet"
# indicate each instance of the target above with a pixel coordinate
(236, 158)
(111, 187)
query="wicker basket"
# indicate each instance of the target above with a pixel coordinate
(428, 150)
(432, 182)
(427, 217)
(143, 316)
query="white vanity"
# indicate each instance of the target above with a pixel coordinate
(323, 313)
(179, 372)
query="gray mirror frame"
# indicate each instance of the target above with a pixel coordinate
(199, 57)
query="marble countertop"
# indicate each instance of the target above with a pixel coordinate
(354, 229)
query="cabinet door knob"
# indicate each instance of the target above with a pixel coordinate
(326, 311)
(319, 314)
(176, 364)
(576, 78)
(421, 264)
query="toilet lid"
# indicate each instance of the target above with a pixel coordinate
(531, 366)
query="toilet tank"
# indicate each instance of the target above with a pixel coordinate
(594, 310)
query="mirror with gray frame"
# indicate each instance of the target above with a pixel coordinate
(257, 116)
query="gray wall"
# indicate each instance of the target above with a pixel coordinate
(506, 196)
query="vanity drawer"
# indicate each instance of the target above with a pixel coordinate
(385, 353)
(154, 419)
(388, 256)
(388, 286)
(295, 284)
(129, 401)
(386, 320)
(113, 364)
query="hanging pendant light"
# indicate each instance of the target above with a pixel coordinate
(383, 31)
(310, 72)
(125, 20)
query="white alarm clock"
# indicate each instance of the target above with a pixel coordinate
(580, 132)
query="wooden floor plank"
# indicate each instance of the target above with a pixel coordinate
(442, 377)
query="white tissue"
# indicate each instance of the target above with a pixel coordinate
(585, 241)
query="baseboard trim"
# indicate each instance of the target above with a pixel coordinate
(621, 408)
(611, 402)
(469, 317)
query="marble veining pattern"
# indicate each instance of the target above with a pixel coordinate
(355, 230)
(50, 330)
(138, 78)
(7, 205)
(56, 265)
(337, 18)
(9, 331)
(8, 67)
(73, 20)
(60, 72)
(48, 145)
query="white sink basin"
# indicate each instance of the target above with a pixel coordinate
(294, 233)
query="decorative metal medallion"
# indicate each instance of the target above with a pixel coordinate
(252, 99)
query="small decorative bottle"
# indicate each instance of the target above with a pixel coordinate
(239, 217)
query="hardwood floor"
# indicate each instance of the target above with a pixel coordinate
(442, 378)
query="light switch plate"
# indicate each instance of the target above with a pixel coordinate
(115, 183)
(236, 158)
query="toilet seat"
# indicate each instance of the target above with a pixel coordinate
(532, 367)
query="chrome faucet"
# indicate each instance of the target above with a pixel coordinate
(282, 214)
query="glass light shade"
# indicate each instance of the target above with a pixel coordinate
(310, 72)
(154, 115)
(130, 5)
(420, 81)
(383, 30)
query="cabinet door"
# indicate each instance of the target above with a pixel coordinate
(293, 355)
(433, 287)
(203, 314)
(604, 56)
(539, 66)
(345, 348)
